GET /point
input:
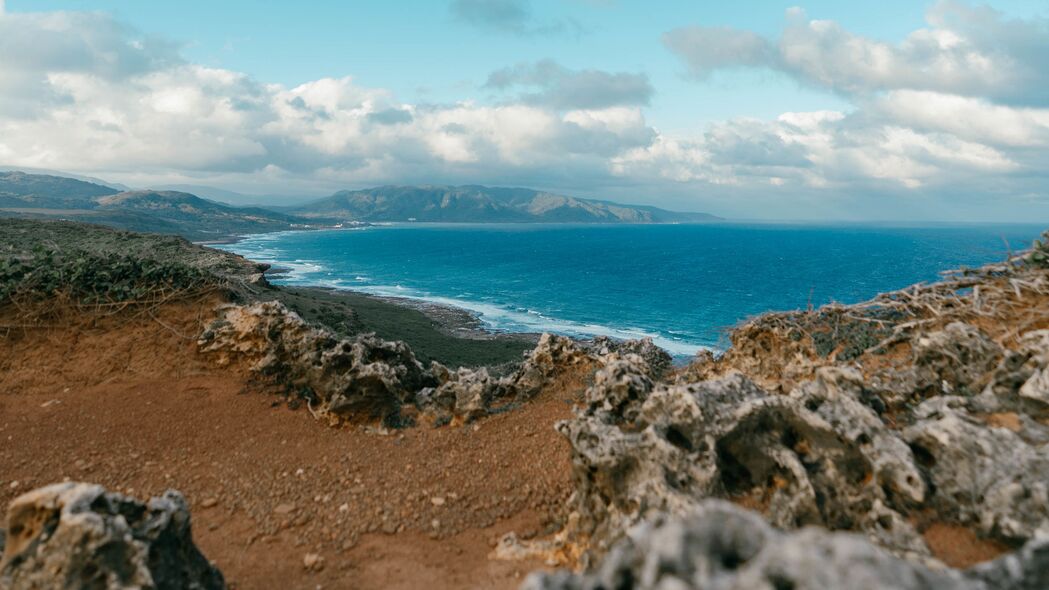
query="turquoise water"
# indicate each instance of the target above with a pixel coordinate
(683, 285)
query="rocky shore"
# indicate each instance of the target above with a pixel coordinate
(901, 442)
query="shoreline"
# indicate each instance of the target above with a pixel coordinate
(460, 320)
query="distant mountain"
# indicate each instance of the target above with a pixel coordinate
(39, 191)
(45, 172)
(43, 196)
(482, 204)
(280, 201)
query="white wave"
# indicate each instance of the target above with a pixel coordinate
(497, 317)
(493, 316)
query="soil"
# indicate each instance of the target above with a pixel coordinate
(125, 401)
(960, 547)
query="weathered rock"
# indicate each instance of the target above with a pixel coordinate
(77, 535)
(657, 361)
(822, 455)
(957, 359)
(552, 356)
(1021, 380)
(364, 378)
(818, 456)
(471, 393)
(988, 478)
(718, 546)
(465, 393)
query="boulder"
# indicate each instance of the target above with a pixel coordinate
(78, 535)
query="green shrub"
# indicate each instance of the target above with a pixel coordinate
(95, 278)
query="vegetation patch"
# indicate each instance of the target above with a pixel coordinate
(94, 278)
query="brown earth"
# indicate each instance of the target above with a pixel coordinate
(124, 400)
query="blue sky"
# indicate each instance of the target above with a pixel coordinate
(699, 122)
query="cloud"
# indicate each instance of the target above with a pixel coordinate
(90, 95)
(34, 47)
(391, 117)
(965, 51)
(96, 97)
(508, 16)
(561, 88)
(706, 49)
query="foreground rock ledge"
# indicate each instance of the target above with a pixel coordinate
(720, 546)
(78, 535)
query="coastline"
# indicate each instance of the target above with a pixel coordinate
(452, 336)
(455, 321)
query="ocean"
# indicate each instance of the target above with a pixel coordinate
(682, 285)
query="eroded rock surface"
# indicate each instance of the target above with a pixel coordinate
(922, 409)
(716, 545)
(363, 378)
(77, 535)
(367, 379)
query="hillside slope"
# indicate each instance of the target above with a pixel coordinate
(481, 204)
(41, 196)
(41, 191)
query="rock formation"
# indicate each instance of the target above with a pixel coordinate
(77, 535)
(360, 379)
(367, 379)
(717, 545)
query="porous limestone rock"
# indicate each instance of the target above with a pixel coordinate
(718, 546)
(1021, 381)
(958, 359)
(987, 478)
(657, 361)
(471, 393)
(828, 454)
(364, 378)
(552, 356)
(78, 535)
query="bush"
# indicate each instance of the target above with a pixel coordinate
(95, 278)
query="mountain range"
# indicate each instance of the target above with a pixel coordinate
(178, 212)
(482, 204)
(52, 197)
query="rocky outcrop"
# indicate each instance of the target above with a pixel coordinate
(360, 379)
(718, 545)
(467, 394)
(882, 456)
(367, 379)
(77, 535)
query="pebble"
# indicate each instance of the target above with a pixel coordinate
(313, 561)
(437, 501)
(209, 502)
(284, 508)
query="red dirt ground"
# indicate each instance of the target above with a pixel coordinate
(128, 403)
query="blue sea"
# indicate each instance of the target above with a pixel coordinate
(683, 285)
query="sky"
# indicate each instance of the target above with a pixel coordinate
(895, 110)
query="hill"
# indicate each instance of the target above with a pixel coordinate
(41, 191)
(41, 196)
(189, 214)
(481, 204)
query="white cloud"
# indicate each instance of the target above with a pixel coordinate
(90, 95)
(965, 51)
(561, 88)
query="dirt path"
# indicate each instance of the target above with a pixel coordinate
(128, 404)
